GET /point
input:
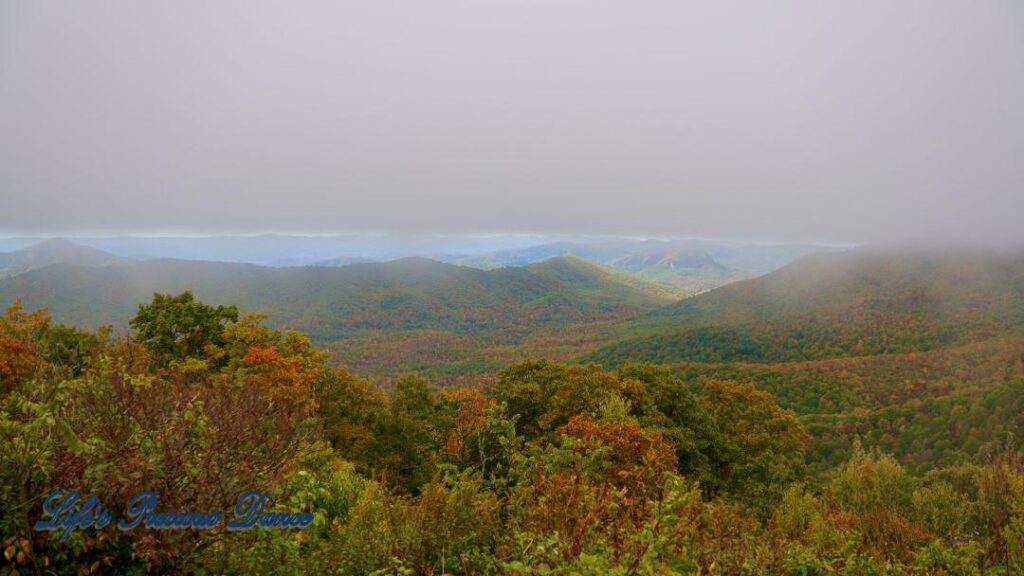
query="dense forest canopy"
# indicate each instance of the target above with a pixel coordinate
(543, 468)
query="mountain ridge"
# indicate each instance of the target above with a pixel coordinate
(357, 301)
(56, 251)
(861, 302)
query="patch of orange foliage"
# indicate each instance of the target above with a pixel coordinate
(470, 416)
(19, 344)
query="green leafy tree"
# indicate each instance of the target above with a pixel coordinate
(765, 443)
(179, 327)
(68, 347)
(668, 403)
(407, 438)
(545, 395)
(348, 407)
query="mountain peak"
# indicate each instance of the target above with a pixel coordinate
(585, 274)
(671, 258)
(567, 259)
(54, 244)
(56, 251)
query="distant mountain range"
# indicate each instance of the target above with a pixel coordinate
(669, 259)
(686, 266)
(290, 250)
(747, 258)
(347, 308)
(854, 303)
(405, 293)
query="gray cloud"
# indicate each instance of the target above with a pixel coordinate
(842, 121)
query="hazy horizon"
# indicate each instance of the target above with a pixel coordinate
(299, 250)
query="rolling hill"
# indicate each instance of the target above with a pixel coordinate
(401, 294)
(55, 251)
(598, 282)
(687, 266)
(371, 315)
(856, 303)
(670, 258)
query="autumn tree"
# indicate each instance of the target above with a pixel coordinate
(667, 402)
(20, 344)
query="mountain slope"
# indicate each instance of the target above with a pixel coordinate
(860, 302)
(687, 267)
(55, 251)
(600, 283)
(332, 303)
(670, 259)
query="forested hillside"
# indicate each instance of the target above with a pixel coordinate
(917, 352)
(545, 468)
(55, 251)
(382, 318)
(855, 303)
(334, 302)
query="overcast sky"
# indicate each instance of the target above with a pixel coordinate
(817, 120)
